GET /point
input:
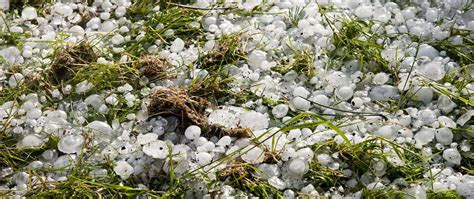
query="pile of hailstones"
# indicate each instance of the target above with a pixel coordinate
(427, 127)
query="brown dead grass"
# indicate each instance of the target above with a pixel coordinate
(177, 101)
(68, 59)
(153, 67)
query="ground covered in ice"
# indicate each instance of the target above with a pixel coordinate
(218, 99)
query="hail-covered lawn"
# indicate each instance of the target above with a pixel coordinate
(232, 98)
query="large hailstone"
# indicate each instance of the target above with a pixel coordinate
(432, 70)
(466, 189)
(254, 155)
(156, 149)
(28, 13)
(452, 155)
(70, 143)
(253, 120)
(123, 169)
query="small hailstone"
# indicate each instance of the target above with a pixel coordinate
(466, 189)
(100, 127)
(289, 194)
(192, 132)
(452, 156)
(146, 138)
(15, 79)
(380, 78)
(177, 45)
(83, 87)
(383, 92)
(112, 100)
(301, 92)
(432, 70)
(123, 169)
(324, 159)
(223, 118)
(120, 11)
(34, 113)
(31, 140)
(156, 149)
(203, 158)
(424, 136)
(301, 103)
(444, 136)
(386, 132)
(224, 141)
(344, 92)
(29, 13)
(465, 117)
(297, 167)
(253, 120)
(117, 39)
(321, 100)
(280, 111)
(364, 11)
(277, 183)
(254, 155)
(427, 116)
(70, 143)
(305, 153)
(357, 102)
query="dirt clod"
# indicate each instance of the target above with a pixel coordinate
(153, 67)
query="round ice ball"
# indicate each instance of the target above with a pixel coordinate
(383, 92)
(424, 136)
(156, 149)
(301, 103)
(253, 120)
(254, 155)
(466, 189)
(177, 45)
(123, 169)
(452, 155)
(31, 140)
(29, 13)
(444, 136)
(301, 92)
(380, 78)
(192, 132)
(70, 143)
(203, 158)
(432, 70)
(15, 79)
(344, 92)
(364, 11)
(280, 110)
(297, 167)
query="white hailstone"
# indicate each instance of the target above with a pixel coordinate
(423, 94)
(112, 100)
(289, 194)
(100, 128)
(123, 169)
(266, 171)
(297, 167)
(427, 116)
(35, 165)
(444, 136)
(156, 149)
(432, 70)
(177, 45)
(424, 136)
(445, 104)
(62, 9)
(324, 159)
(380, 78)
(4, 4)
(428, 51)
(386, 131)
(300, 103)
(364, 11)
(94, 100)
(305, 153)
(374, 185)
(357, 102)
(465, 117)
(108, 26)
(253, 120)
(192, 132)
(70, 143)
(294, 135)
(466, 189)
(117, 39)
(120, 11)
(34, 113)
(253, 154)
(256, 58)
(224, 141)
(383, 92)
(280, 110)
(344, 92)
(301, 92)
(29, 13)
(83, 87)
(320, 100)
(15, 79)
(446, 122)
(452, 156)
(223, 118)
(31, 140)
(203, 158)
(277, 183)
(146, 138)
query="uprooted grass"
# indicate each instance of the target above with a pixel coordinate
(154, 67)
(178, 102)
(69, 59)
